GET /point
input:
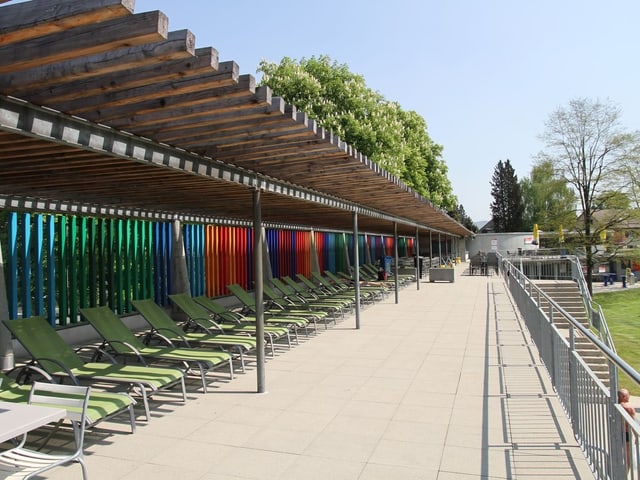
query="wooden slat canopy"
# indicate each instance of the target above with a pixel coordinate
(122, 78)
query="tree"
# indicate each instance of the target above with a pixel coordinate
(340, 101)
(587, 145)
(461, 216)
(548, 200)
(506, 207)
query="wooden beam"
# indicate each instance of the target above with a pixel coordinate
(85, 40)
(25, 21)
(161, 117)
(139, 84)
(89, 73)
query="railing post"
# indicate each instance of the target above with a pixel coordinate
(552, 368)
(573, 380)
(616, 429)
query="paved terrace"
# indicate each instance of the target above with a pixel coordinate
(445, 385)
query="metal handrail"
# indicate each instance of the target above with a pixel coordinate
(593, 309)
(609, 438)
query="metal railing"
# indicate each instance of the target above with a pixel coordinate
(608, 436)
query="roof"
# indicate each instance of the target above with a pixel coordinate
(107, 110)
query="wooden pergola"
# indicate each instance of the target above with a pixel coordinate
(105, 111)
(197, 133)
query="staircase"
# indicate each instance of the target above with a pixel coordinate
(566, 294)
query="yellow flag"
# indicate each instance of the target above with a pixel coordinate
(535, 234)
(561, 234)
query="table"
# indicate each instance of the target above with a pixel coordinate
(19, 418)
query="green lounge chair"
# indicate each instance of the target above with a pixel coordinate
(102, 405)
(200, 309)
(304, 295)
(164, 325)
(293, 302)
(314, 312)
(368, 292)
(52, 354)
(124, 342)
(309, 289)
(296, 318)
(335, 289)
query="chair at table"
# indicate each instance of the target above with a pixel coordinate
(22, 462)
(102, 405)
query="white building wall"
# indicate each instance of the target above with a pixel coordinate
(514, 242)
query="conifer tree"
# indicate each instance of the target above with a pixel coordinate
(506, 207)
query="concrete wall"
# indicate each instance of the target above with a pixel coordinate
(500, 242)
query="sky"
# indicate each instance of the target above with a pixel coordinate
(485, 75)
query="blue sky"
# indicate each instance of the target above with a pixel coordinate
(484, 75)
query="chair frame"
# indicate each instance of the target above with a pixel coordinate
(22, 460)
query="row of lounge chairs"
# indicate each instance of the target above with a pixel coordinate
(210, 338)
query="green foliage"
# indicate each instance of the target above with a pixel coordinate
(548, 200)
(461, 216)
(622, 312)
(506, 207)
(340, 101)
(588, 147)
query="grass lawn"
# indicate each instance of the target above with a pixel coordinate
(622, 311)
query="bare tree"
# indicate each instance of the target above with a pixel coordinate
(586, 144)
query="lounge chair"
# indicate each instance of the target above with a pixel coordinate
(309, 289)
(370, 273)
(338, 289)
(333, 304)
(201, 309)
(296, 318)
(124, 342)
(102, 405)
(22, 462)
(51, 353)
(314, 311)
(369, 290)
(164, 325)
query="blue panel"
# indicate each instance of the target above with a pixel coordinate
(25, 257)
(51, 270)
(12, 263)
(38, 293)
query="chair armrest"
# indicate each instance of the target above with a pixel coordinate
(199, 327)
(156, 333)
(129, 347)
(61, 365)
(23, 373)
(98, 353)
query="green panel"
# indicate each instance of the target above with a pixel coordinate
(51, 270)
(127, 266)
(119, 246)
(73, 270)
(103, 263)
(82, 265)
(109, 256)
(62, 270)
(93, 254)
(135, 261)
